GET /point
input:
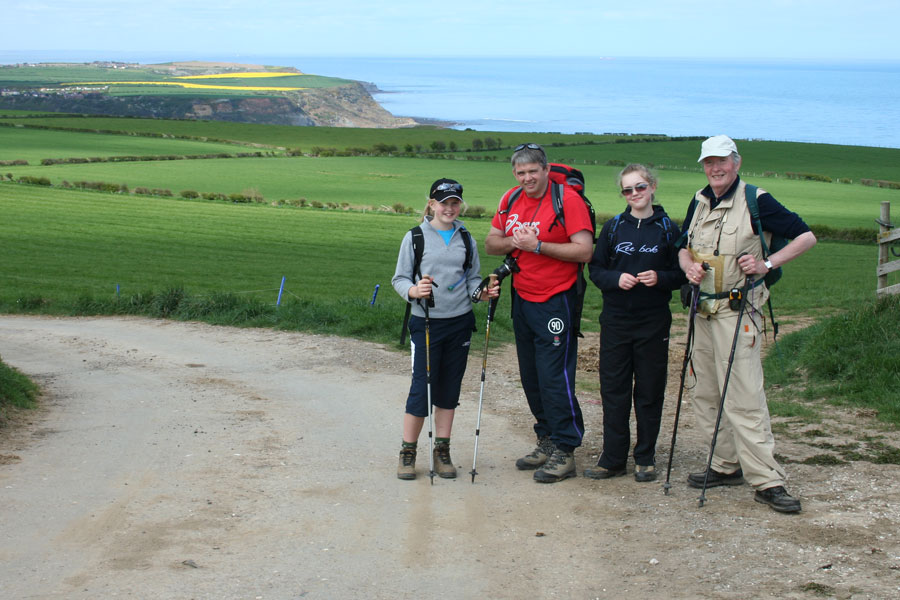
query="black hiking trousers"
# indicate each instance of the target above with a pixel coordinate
(634, 353)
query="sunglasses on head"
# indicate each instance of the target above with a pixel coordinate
(638, 188)
(449, 187)
(529, 146)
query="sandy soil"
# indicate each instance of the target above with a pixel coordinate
(179, 460)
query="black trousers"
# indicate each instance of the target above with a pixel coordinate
(634, 352)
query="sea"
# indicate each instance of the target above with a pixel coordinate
(818, 101)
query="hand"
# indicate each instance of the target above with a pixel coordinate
(491, 290)
(648, 278)
(695, 273)
(627, 281)
(750, 266)
(422, 289)
(525, 238)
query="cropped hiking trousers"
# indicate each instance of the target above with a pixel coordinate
(450, 339)
(547, 349)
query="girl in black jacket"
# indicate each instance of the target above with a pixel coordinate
(635, 265)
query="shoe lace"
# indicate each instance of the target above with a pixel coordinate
(443, 453)
(409, 458)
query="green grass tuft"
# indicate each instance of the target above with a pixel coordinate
(16, 389)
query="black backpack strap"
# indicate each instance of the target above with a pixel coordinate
(467, 241)
(681, 242)
(558, 194)
(418, 244)
(512, 198)
(611, 236)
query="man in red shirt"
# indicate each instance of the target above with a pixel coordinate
(548, 251)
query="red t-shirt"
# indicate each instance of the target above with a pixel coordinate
(541, 276)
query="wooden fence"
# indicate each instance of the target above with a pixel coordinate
(888, 237)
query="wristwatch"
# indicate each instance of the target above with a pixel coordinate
(537, 249)
(768, 264)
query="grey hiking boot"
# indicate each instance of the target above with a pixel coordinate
(538, 456)
(443, 465)
(407, 467)
(560, 465)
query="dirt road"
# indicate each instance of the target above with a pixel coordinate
(180, 460)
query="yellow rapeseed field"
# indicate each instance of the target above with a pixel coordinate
(238, 75)
(195, 85)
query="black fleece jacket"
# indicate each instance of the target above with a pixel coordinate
(634, 246)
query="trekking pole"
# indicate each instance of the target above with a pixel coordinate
(428, 303)
(748, 285)
(492, 307)
(695, 298)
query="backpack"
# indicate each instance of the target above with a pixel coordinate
(418, 243)
(562, 176)
(665, 224)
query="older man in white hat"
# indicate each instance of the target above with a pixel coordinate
(722, 253)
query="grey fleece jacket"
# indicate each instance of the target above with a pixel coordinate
(445, 264)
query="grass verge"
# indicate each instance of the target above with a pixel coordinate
(851, 359)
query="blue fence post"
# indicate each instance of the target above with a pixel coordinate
(280, 290)
(375, 293)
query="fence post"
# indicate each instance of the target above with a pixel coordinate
(888, 234)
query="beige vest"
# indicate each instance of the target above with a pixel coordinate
(718, 237)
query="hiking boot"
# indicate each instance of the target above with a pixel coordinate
(443, 466)
(559, 466)
(599, 472)
(644, 473)
(538, 456)
(407, 466)
(695, 480)
(778, 498)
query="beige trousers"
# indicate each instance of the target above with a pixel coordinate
(745, 437)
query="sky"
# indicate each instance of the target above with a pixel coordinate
(36, 30)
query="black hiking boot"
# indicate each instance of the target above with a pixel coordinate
(778, 499)
(695, 480)
(538, 456)
(599, 472)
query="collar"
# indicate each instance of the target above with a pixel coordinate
(713, 201)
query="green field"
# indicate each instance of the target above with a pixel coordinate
(61, 244)
(36, 144)
(375, 182)
(66, 243)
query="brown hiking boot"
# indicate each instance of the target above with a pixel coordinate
(443, 465)
(407, 467)
(560, 465)
(538, 456)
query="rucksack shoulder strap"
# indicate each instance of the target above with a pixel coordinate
(513, 195)
(558, 193)
(418, 244)
(467, 241)
(751, 193)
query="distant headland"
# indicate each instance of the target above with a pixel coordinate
(217, 91)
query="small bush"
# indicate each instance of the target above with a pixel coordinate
(398, 207)
(189, 194)
(891, 185)
(31, 180)
(316, 204)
